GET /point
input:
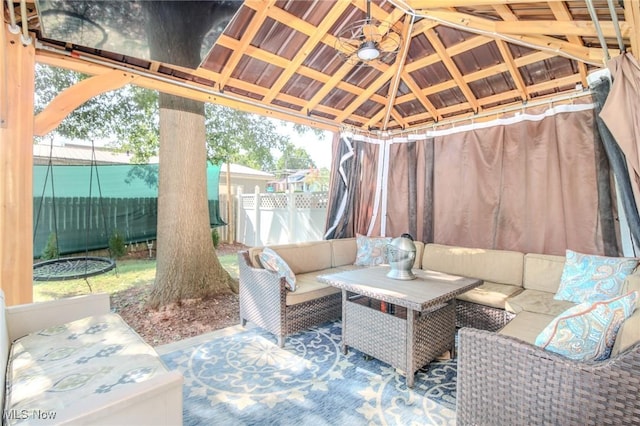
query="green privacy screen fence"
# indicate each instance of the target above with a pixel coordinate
(85, 220)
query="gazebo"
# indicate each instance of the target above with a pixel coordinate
(414, 89)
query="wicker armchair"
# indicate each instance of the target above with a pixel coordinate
(504, 381)
(263, 298)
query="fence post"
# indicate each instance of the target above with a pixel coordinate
(256, 241)
(292, 218)
(240, 225)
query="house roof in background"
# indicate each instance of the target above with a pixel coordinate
(82, 154)
(456, 58)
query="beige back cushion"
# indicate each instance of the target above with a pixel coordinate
(542, 272)
(498, 266)
(254, 252)
(419, 252)
(303, 257)
(632, 282)
(629, 332)
(343, 251)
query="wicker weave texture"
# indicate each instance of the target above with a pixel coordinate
(435, 334)
(388, 337)
(482, 317)
(263, 297)
(504, 381)
(376, 333)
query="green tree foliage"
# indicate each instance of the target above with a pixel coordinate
(96, 119)
(294, 158)
(129, 118)
(238, 137)
(140, 136)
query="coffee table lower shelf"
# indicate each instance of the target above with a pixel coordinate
(407, 340)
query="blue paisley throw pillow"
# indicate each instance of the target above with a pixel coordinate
(587, 332)
(371, 251)
(589, 278)
(272, 261)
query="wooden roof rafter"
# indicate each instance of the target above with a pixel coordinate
(507, 15)
(463, 56)
(397, 67)
(561, 13)
(453, 69)
(542, 42)
(297, 61)
(262, 11)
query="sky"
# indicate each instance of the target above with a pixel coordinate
(319, 149)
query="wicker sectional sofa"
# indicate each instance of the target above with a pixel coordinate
(265, 300)
(72, 361)
(514, 285)
(503, 378)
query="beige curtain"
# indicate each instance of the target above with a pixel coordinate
(621, 114)
(529, 185)
(353, 186)
(410, 205)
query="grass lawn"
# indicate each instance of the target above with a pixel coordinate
(127, 274)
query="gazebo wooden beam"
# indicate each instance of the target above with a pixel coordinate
(71, 98)
(16, 168)
(191, 91)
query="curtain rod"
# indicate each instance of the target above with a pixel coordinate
(519, 107)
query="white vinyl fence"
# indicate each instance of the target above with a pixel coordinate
(280, 218)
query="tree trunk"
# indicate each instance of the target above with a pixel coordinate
(187, 265)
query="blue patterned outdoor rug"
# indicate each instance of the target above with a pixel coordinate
(244, 378)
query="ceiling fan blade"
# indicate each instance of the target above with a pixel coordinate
(390, 43)
(349, 42)
(371, 32)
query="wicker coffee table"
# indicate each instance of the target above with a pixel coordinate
(406, 324)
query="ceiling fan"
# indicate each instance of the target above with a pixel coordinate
(368, 40)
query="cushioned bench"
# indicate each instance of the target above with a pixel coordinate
(72, 361)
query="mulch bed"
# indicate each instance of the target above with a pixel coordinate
(177, 321)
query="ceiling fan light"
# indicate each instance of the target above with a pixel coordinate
(368, 51)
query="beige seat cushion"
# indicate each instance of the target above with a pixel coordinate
(254, 253)
(345, 268)
(526, 326)
(536, 301)
(308, 287)
(490, 294)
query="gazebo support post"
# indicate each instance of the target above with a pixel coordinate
(17, 70)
